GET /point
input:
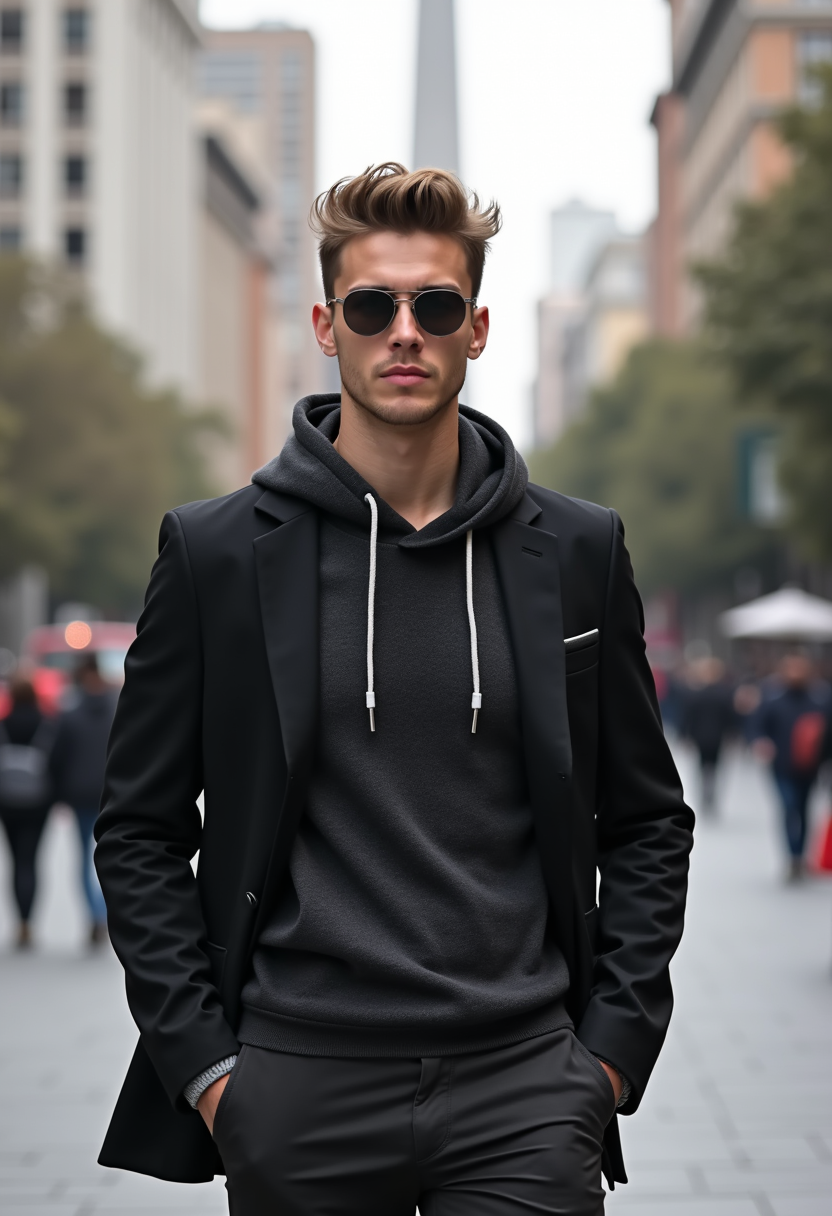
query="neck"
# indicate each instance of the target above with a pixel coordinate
(413, 468)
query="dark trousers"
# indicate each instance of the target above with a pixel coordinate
(499, 1133)
(24, 829)
(794, 795)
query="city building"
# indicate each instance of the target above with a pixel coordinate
(436, 134)
(98, 164)
(613, 319)
(557, 314)
(664, 241)
(576, 233)
(268, 75)
(235, 330)
(736, 64)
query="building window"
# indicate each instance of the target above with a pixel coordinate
(11, 175)
(75, 104)
(11, 239)
(291, 68)
(75, 176)
(812, 47)
(11, 31)
(235, 75)
(11, 104)
(75, 246)
(76, 30)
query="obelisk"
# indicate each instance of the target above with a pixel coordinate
(436, 139)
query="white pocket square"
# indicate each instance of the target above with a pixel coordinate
(580, 640)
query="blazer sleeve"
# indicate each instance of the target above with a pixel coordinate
(149, 830)
(644, 836)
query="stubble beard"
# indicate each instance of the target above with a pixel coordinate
(406, 411)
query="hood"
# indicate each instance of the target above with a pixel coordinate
(492, 475)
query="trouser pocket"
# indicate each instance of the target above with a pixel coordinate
(604, 1083)
(225, 1096)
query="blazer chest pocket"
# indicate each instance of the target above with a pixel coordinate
(216, 957)
(581, 651)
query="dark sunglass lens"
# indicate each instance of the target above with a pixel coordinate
(368, 312)
(440, 312)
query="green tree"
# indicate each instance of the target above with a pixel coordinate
(769, 311)
(89, 458)
(659, 445)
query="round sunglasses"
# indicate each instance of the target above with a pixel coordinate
(370, 310)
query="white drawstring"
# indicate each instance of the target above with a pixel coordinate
(476, 699)
(371, 608)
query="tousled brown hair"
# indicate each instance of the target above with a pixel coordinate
(388, 197)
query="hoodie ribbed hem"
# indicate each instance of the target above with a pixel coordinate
(300, 1038)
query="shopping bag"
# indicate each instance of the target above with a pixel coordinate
(823, 858)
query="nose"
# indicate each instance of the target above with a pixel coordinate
(403, 329)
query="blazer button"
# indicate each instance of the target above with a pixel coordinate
(252, 898)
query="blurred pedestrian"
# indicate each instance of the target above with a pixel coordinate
(707, 718)
(25, 793)
(790, 736)
(748, 699)
(78, 759)
(671, 693)
(823, 858)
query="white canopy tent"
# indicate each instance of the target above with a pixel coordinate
(787, 615)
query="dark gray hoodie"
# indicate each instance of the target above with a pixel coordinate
(414, 918)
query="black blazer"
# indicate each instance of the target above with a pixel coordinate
(221, 694)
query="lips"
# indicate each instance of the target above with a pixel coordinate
(404, 376)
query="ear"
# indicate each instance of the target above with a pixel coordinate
(322, 322)
(479, 332)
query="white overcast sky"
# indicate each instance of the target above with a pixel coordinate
(555, 97)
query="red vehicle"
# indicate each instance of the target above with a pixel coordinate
(52, 653)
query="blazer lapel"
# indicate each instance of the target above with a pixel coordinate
(529, 573)
(287, 575)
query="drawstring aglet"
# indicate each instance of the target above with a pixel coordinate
(476, 705)
(371, 705)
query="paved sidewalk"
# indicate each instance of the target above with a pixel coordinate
(737, 1120)
(66, 1038)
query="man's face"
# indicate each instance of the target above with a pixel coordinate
(795, 670)
(403, 375)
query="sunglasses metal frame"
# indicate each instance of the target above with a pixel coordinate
(392, 296)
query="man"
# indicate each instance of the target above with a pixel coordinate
(790, 730)
(408, 684)
(77, 766)
(708, 716)
(25, 793)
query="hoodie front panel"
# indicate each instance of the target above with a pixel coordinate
(414, 916)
